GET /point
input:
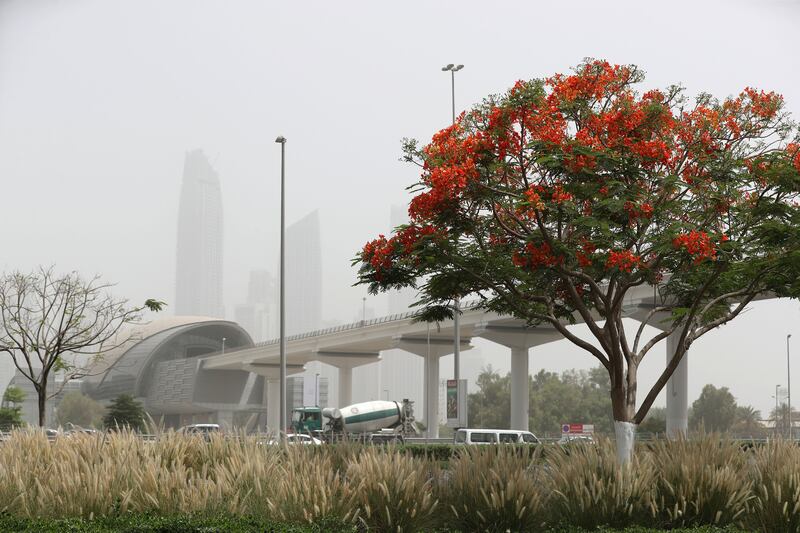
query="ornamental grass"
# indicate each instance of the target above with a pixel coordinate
(705, 481)
(701, 481)
(775, 471)
(492, 489)
(588, 488)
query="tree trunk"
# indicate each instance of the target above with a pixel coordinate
(626, 434)
(41, 393)
(624, 427)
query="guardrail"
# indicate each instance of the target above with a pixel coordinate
(472, 304)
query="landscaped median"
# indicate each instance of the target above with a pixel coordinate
(136, 523)
(183, 483)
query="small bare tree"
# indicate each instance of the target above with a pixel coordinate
(60, 323)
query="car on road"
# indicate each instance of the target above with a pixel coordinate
(298, 438)
(203, 430)
(576, 439)
(494, 436)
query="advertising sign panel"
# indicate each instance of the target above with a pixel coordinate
(577, 429)
(456, 403)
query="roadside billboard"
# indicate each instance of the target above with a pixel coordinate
(456, 403)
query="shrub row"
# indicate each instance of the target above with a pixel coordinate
(145, 523)
(704, 481)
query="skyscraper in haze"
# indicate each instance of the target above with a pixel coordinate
(198, 276)
(259, 316)
(304, 297)
(303, 275)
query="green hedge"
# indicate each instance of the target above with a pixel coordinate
(138, 523)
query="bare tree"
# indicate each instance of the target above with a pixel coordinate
(60, 323)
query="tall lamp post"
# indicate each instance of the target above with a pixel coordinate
(452, 69)
(777, 410)
(788, 387)
(281, 305)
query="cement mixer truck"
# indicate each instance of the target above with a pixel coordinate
(357, 421)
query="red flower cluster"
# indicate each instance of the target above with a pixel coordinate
(793, 149)
(641, 128)
(636, 212)
(536, 256)
(624, 260)
(378, 253)
(411, 235)
(697, 244)
(381, 252)
(534, 196)
(450, 166)
(584, 255)
(593, 81)
(559, 195)
(761, 104)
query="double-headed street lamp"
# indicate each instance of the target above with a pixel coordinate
(452, 69)
(281, 305)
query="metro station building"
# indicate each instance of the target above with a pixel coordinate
(160, 365)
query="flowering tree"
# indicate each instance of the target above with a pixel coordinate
(553, 201)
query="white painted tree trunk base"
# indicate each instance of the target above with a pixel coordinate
(626, 434)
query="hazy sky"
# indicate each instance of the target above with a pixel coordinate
(99, 100)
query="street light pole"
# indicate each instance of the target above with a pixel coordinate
(316, 389)
(777, 409)
(282, 303)
(223, 345)
(788, 387)
(452, 69)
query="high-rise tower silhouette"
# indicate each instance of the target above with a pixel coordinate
(198, 276)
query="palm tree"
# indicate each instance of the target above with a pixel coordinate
(748, 421)
(780, 418)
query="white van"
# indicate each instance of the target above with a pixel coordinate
(494, 436)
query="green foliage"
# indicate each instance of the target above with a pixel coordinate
(576, 396)
(572, 397)
(154, 305)
(714, 410)
(10, 418)
(125, 411)
(13, 395)
(655, 421)
(553, 201)
(11, 410)
(748, 422)
(490, 406)
(79, 410)
(149, 523)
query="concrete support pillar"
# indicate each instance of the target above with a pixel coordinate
(520, 338)
(273, 405)
(677, 390)
(520, 390)
(345, 386)
(431, 350)
(432, 396)
(225, 420)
